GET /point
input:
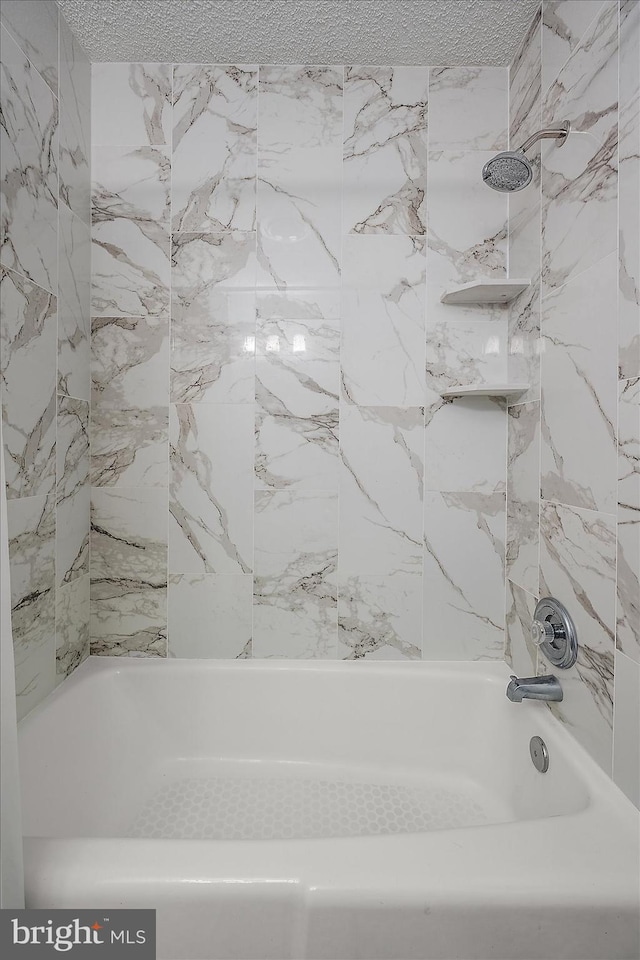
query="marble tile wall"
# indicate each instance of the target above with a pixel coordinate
(573, 486)
(268, 352)
(45, 250)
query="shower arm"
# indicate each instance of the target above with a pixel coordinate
(561, 132)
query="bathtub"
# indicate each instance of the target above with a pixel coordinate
(276, 809)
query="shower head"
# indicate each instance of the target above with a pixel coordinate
(510, 170)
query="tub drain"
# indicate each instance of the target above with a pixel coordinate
(539, 754)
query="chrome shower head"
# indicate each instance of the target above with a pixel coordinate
(510, 170)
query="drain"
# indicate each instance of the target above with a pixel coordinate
(539, 754)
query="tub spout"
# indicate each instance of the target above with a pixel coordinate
(534, 688)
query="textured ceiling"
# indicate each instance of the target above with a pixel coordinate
(302, 31)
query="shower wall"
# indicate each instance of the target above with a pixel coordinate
(274, 472)
(574, 439)
(44, 343)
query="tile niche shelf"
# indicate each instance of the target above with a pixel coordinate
(486, 390)
(486, 291)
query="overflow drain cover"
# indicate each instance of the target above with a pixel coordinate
(539, 754)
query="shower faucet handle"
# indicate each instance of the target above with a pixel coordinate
(543, 631)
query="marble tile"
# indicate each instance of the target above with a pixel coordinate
(210, 616)
(129, 572)
(313, 303)
(295, 591)
(131, 244)
(523, 495)
(211, 488)
(28, 389)
(463, 589)
(579, 391)
(72, 626)
(525, 81)
(578, 566)
(462, 352)
(32, 529)
(380, 618)
(381, 488)
(564, 24)
(72, 490)
(523, 364)
(297, 413)
(385, 150)
(465, 441)
(130, 104)
(214, 147)
(629, 241)
(520, 652)
(629, 51)
(130, 447)
(467, 231)
(468, 108)
(383, 308)
(628, 572)
(626, 749)
(129, 362)
(28, 169)
(34, 26)
(580, 177)
(299, 179)
(75, 125)
(74, 306)
(213, 323)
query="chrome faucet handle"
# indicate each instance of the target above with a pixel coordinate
(554, 633)
(543, 631)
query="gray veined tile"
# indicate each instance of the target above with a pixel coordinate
(131, 242)
(296, 427)
(380, 618)
(211, 488)
(72, 490)
(525, 79)
(385, 150)
(383, 306)
(626, 755)
(300, 181)
(468, 108)
(72, 626)
(129, 447)
(579, 391)
(210, 615)
(629, 240)
(465, 445)
(31, 529)
(520, 652)
(381, 488)
(75, 125)
(34, 26)
(523, 495)
(628, 569)
(464, 352)
(130, 362)
(213, 324)
(28, 341)
(74, 306)
(564, 24)
(629, 52)
(464, 589)
(580, 178)
(129, 572)
(28, 169)
(578, 566)
(295, 591)
(214, 147)
(130, 104)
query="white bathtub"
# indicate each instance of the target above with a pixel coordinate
(333, 810)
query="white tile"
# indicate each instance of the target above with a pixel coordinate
(523, 495)
(380, 618)
(626, 724)
(468, 108)
(520, 652)
(210, 616)
(130, 104)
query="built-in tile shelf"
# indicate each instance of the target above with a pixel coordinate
(486, 390)
(486, 291)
